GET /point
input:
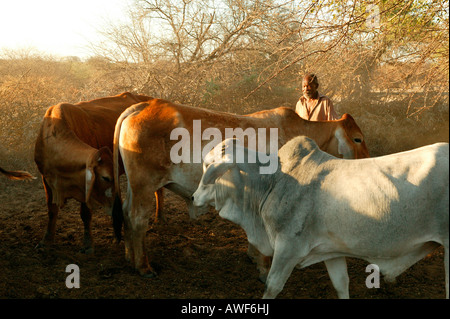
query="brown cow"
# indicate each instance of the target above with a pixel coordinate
(73, 154)
(143, 138)
(17, 175)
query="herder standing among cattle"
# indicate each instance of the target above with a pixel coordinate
(312, 106)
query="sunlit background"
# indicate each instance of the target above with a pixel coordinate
(386, 63)
(61, 28)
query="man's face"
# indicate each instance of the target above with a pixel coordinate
(309, 88)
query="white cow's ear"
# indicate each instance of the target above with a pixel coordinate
(214, 171)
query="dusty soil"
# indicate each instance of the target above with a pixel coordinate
(204, 258)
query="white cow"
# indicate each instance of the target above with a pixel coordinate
(390, 211)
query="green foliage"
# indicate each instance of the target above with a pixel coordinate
(211, 90)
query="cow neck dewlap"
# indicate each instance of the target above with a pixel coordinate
(240, 198)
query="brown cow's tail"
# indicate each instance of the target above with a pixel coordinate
(17, 175)
(117, 211)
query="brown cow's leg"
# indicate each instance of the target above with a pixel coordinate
(142, 264)
(136, 220)
(127, 229)
(127, 238)
(134, 237)
(137, 210)
(86, 217)
(159, 197)
(140, 255)
(49, 235)
(262, 262)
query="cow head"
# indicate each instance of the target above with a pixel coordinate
(215, 164)
(349, 140)
(225, 161)
(99, 179)
(206, 193)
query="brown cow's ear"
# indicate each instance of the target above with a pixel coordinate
(90, 174)
(105, 150)
(92, 162)
(344, 144)
(90, 180)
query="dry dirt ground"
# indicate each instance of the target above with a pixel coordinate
(203, 258)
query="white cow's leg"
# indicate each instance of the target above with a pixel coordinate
(446, 253)
(337, 270)
(283, 263)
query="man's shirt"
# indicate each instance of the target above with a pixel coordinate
(323, 110)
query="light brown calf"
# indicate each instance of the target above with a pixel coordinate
(73, 152)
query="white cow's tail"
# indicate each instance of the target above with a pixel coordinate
(117, 212)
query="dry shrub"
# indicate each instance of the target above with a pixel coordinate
(391, 121)
(388, 129)
(246, 56)
(28, 86)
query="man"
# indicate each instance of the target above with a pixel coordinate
(312, 106)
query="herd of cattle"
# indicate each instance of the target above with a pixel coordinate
(326, 201)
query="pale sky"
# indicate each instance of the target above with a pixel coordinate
(57, 27)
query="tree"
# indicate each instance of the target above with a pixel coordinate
(177, 48)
